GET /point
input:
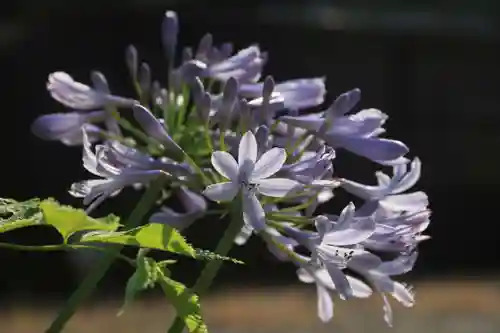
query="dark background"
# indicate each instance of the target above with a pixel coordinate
(433, 67)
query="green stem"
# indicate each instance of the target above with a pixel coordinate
(61, 247)
(212, 268)
(97, 273)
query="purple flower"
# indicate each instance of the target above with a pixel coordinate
(332, 246)
(67, 127)
(324, 285)
(170, 30)
(357, 133)
(249, 176)
(155, 129)
(79, 96)
(379, 276)
(402, 180)
(113, 178)
(245, 66)
(296, 94)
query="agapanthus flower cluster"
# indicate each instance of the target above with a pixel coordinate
(221, 131)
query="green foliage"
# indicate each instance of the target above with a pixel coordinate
(185, 302)
(208, 255)
(153, 235)
(68, 220)
(15, 215)
(150, 273)
(143, 278)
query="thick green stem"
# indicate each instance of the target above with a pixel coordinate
(212, 268)
(96, 274)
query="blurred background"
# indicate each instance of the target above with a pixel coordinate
(432, 66)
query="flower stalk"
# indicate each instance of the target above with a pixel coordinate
(211, 269)
(90, 282)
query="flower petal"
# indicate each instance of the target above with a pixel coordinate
(359, 288)
(243, 235)
(253, 213)
(400, 265)
(325, 304)
(411, 202)
(276, 187)
(387, 310)
(247, 149)
(311, 122)
(225, 164)
(221, 191)
(305, 276)
(344, 103)
(155, 129)
(339, 280)
(269, 163)
(54, 126)
(410, 178)
(323, 225)
(351, 233)
(403, 294)
(375, 149)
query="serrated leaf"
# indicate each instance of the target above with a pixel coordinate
(68, 220)
(144, 277)
(15, 215)
(153, 235)
(17, 224)
(185, 303)
(208, 255)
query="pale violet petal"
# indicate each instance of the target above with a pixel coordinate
(225, 164)
(362, 191)
(253, 213)
(304, 276)
(247, 149)
(359, 288)
(243, 235)
(406, 202)
(311, 122)
(387, 310)
(155, 129)
(276, 187)
(400, 265)
(339, 280)
(323, 225)
(344, 103)
(410, 178)
(346, 215)
(375, 149)
(383, 179)
(269, 163)
(352, 233)
(67, 91)
(325, 304)
(403, 294)
(221, 191)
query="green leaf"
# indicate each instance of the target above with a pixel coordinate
(185, 302)
(144, 277)
(9, 226)
(209, 255)
(15, 215)
(68, 220)
(153, 236)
